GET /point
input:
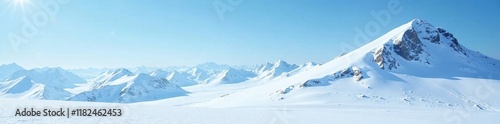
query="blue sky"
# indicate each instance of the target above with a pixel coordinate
(128, 33)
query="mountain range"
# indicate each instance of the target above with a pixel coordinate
(416, 64)
(123, 85)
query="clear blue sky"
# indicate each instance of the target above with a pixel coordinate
(128, 33)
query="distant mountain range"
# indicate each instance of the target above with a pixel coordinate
(123, 85)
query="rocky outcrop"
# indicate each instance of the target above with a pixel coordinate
(409, 46)
(454, 42)
(353, 72)
(383, 58)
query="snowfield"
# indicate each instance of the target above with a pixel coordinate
(416, 73)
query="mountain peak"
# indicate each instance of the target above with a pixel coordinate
(9, 69)
(196, 70)
(276, 69)
(311, 63)
(109, 76)
(280, 61)
(122, 71)
(160, 73)
(142, 76)
(11, 65)
(417, 41)
(159, 70)
(417, 21)
(210, 66)
(231, 75)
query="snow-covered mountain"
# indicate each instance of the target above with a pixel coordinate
(160, 73)
(230, 76)
(109, 76)
(199, 74)
(279, 68)
(181, 78)
(27, 88)
(139, 87)
(142, 69)
(17, 85)
(9, 69)
(43, 83)
(88, 73)
(185, 76)
(212, 66)
(302, 68)
(56, 77)
(414, 64)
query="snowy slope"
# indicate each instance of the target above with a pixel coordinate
(139, 87)
(415, 64)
